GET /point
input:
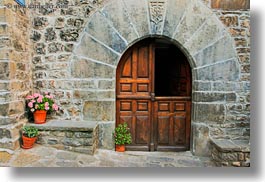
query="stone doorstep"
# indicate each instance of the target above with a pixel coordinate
(226, 145)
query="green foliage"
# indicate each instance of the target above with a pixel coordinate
(122, 134)
(30, 131)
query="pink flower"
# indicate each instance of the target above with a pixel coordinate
(30, 104)
(29, 97)
(46, 104)
(55, 107)
(47, 108)
(39, 100)
(36, 95)
(47, 96)
(46, 93)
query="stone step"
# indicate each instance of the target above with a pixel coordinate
(74, 136)
(226, 152)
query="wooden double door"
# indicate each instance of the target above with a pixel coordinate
(154, 96)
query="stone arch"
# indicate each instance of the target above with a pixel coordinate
(190, 24)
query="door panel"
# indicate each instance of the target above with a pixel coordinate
(162, 122)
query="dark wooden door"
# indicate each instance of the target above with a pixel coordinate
(158, 116)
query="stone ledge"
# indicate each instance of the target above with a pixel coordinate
(81, 137)
(227, 153)
(225, 145)
(66, 126)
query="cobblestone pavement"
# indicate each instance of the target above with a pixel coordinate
(41, 156)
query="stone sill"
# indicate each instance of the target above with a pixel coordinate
(66, 126)
(226, 145)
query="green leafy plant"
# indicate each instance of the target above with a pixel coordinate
(30, 131)
(122, 134)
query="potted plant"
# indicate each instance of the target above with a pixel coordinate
(122, 136)
(39, 105)
(29, 136)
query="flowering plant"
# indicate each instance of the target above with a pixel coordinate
(41, 102)
(122, 134)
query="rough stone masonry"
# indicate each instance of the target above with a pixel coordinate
(72, 50)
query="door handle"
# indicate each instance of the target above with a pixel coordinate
(153, 97)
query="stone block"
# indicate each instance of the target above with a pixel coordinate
(231, 4)
(201, 145)
(157, 11)
(209, 33)
(99, 51)
(106, 84)
(88, 69)
(174, 13)
(107, 34)
(208, 97)
(195, 17)
(138, 12)
(219, 51)
(99, 110)
(230, 20)
(118, 17)
(228, 71)
(202, 86)
(4, 71)
(105, 135)
(4, 109)
(92, 95)
(69, 35)
(214, 113)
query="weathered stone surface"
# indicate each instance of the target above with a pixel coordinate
(220, 51)
(99, 110)
(230, 4)
(66, 125)
(138, 12)
(230, 21)
(120, 19)
(106, 84)
(196, 15)
(201, 145)
(209, 112)
(91, 95)
(211, 31)
(5, 157)
(88, 69)
(99, 52)
(201, 86)
(228, 70)
(40, 22)
(157, 11)
(174, 13)
(107, 34)
(208, 97)
(69, 35)
(105, 135)
(50, 34)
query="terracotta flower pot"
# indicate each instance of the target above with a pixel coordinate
(28, 142)
(120, 148)
(40, 116)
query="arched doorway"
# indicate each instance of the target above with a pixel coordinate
(153, 95)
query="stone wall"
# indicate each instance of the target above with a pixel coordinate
(235, 15)
(15, 73)
(77, 46)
